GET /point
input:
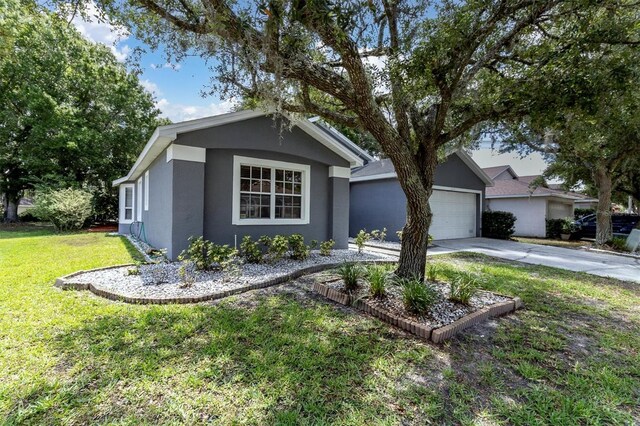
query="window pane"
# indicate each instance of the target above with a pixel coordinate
(266, 173)
(297, 188)
(296, 213)
(296, 201)
(128, 214)
(288, 175)
(255, 172)
(280, 175)
(245, 185)
(128, 197)
(255, 185)
(245, 171)
(266, 186)
(279, 187)
(297, 177)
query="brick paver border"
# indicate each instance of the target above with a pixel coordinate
(436, 335)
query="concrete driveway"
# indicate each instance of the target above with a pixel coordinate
(604, 265)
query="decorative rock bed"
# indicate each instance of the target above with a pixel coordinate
(161, 284)
(445, 320)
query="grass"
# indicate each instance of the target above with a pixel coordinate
(282, 357)
(553, 242)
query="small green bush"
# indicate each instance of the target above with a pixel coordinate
(205, 255)
(326, 247)
(278, 247)
(497, 224)
(619, 244)
(379, 235)
(66, 209)
(463, 287)
(361, 239)
(265, 240)
(187, 273)
(377, 277)
(313, 244)
(568, 226)
(250, 250)
(417, 296)
(553, 227)
(299, 250)
(432, 273)
(350, 273)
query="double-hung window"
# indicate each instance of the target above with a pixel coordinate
(270, 192)
(126, 203)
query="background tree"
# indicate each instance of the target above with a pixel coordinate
(590, 122)
(70, 113)
(415, 75)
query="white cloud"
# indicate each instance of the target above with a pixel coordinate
(97, 30)
(151, 87)
(181, 112)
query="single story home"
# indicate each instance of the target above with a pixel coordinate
(237, 174)
(377, 200)
(531, 203)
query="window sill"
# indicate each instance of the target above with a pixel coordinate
(241, 222)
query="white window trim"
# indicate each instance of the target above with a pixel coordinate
(258, 162)
(123, 199)
(139, 200)
(146, 191)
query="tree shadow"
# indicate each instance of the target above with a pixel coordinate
(25, 230)
(278, 362)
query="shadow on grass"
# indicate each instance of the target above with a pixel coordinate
(131, 249)
(25, 230)
(279, 362)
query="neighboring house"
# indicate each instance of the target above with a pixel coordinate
(531, 204)
(25, 205)
(377, 200)
(238, 174)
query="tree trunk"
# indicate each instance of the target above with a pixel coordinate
(413, 252)
(11, 201)
(604, 228)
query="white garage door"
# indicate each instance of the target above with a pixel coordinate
(559, 210)
(454, 214)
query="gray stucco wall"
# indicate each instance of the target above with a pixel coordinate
(263, 134)
(188, 204)
(157, 220)
(377, 204)
(219, 192)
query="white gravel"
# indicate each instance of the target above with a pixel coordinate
(162, 280)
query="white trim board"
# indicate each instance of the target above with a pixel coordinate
(146, 191)
(186, 153)
(339, 172)
(306, 191)
(121, 203)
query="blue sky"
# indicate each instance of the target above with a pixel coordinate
(178, 87)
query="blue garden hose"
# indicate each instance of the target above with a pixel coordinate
(141, 235)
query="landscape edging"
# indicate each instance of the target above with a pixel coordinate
(64, 284)
(436, 335)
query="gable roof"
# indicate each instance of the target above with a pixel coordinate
(163, 136)
(492, 172)
(348, 143)
(383, 169)
(519, 188)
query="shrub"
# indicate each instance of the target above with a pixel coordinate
(568, 226)
(362, 237)
(618, 243)
(205, 255)
(350, 273)
(497, 224)
(313, 244)
(463, 287)
(187, 273)
(278, 247)
(417, 296)
(299, 251)
(578, 212)
(67, 209)
(377, 277)
(553, 228)
(265, 240)
(326, 247)
(250, 250)
(432, 273)
(26, 216)
(379, 235)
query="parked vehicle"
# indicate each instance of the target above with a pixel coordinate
(623, 224)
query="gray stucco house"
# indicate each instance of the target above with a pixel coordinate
(377, 200)
(237, 174)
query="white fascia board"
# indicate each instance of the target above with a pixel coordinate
(380, 176)
(339, 135)
(339, 172)
(158, 141)
(564, 197)
(186, 153)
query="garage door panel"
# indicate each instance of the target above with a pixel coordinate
(454, 214)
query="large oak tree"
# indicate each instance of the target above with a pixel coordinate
(417, 76)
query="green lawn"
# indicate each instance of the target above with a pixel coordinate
(283, 356)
